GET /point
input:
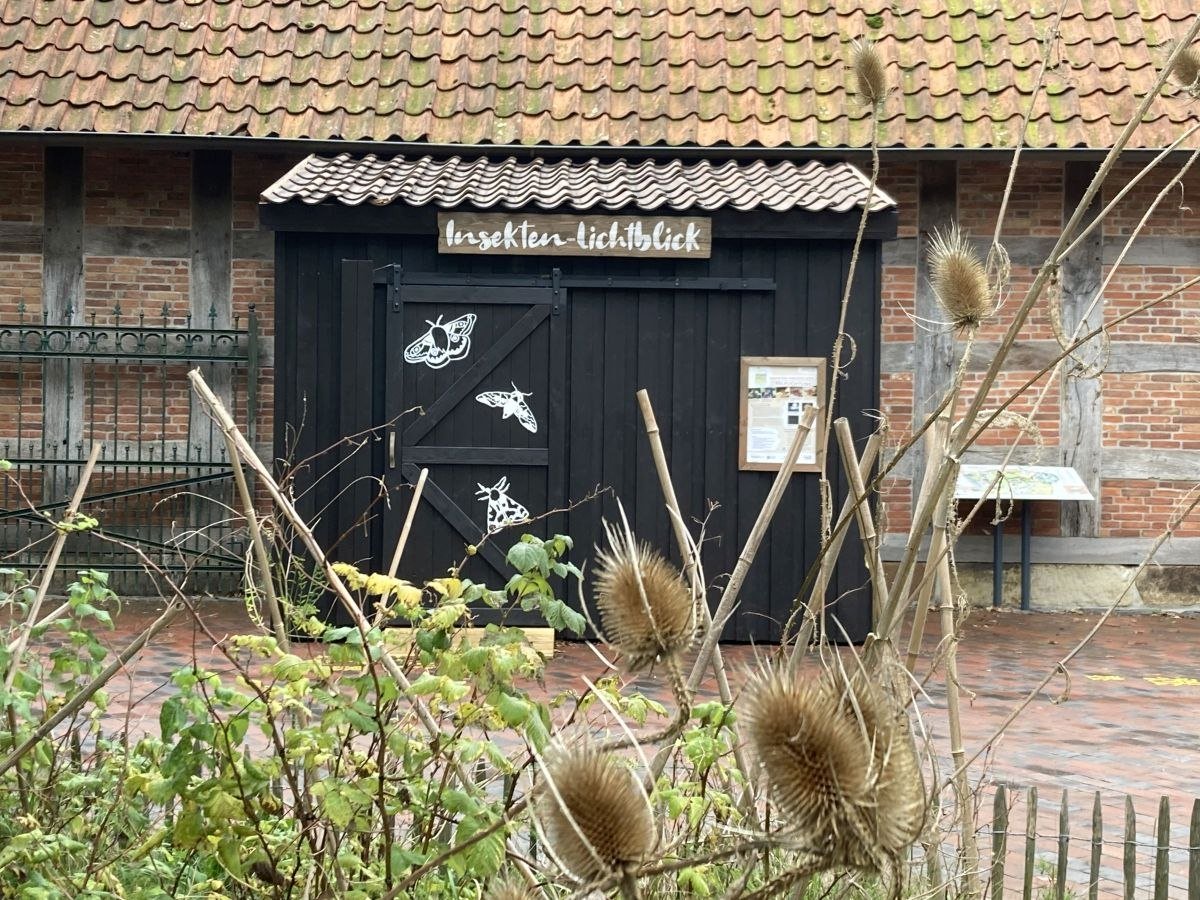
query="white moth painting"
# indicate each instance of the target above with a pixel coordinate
(512, 403)
(442, 343)
(502, 510)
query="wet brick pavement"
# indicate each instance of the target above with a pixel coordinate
(1129, 723)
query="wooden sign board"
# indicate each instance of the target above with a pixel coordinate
(509, 234)
(775, 392)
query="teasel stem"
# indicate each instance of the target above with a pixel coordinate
(628, 887)
(836, 353)
(780, 883)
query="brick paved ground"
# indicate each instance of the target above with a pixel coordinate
(1129, 725)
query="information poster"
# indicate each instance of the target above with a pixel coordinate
(775, 392)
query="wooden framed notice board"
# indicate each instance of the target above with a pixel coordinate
(775, 391)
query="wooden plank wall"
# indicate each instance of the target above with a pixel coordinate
(683, 346)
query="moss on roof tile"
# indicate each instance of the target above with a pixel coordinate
(583, 71)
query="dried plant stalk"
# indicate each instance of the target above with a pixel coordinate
(862, 511)
(593, 814)
(869, 71)
(839, 764)
(959, 277)
(48, 570)
(1186, 70)
(510, 889)
(646, 610)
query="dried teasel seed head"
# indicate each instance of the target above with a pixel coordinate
(959, 277)
(593, 814)
(816, 763)
(510, 888)
(869, 71)
(646, 609)
(897, 814)
(1186, 70)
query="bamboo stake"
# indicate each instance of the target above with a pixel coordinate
(48, 570)
(659, 454)
(935, 444)
(260, 550)
(954, 715)
(229, 427)
(833, 550)
(730, 595)
(75, 703)
(862, 511)
(408, 520)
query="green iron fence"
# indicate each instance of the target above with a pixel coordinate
(163, 483)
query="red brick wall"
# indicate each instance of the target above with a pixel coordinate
(1140, 411)
(149, 190)
(20, 289)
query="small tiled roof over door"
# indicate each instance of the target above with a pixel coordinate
(578, 185)
(621, 73)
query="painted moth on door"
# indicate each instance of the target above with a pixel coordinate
(442, 343)
(512, 403)
(502, 510)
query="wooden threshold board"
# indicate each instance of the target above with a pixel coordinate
(541, 639)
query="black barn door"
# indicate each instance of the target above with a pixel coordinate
(474, 386)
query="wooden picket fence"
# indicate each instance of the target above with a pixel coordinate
(1019, 851)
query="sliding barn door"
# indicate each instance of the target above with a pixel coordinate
(474, 390)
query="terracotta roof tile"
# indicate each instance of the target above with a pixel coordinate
(677, 72)
(579, 185)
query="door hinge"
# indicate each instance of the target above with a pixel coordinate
(393, 288)
(556, 289)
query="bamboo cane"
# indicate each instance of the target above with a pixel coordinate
(935, 445)
(685, 552)
(738, 577)
(48, 570)
(829, 557)
(862, 511)
(229, 427)
(260, 550)
(408, 520)
(953, 710)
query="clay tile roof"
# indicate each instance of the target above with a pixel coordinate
(579, 185)
(593, 72)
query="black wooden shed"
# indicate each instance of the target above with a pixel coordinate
(525, 354)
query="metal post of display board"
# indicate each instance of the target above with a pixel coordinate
(1026, 545)
(998, 564)
(1022, 484)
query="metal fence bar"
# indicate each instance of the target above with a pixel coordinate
(156, 479)
(1097, 847)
